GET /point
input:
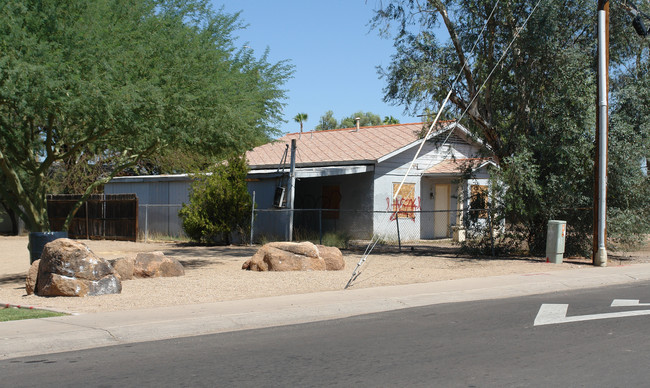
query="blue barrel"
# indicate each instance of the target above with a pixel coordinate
(37, 241)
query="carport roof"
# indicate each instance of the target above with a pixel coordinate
(367, 145)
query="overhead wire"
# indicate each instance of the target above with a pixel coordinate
(375, 239)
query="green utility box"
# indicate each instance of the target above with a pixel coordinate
(555, 237)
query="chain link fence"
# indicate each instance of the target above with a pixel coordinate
(482, 229)
(387, 226)
(159, 220)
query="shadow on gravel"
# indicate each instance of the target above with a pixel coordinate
(198, 263)
(206, 251)
(413, 250)
(12, 278)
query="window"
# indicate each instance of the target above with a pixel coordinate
(478, 201)
(404, 201)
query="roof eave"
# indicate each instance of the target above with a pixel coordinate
(315, 164)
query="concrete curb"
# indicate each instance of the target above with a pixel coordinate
(83, 331)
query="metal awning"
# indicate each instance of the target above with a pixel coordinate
(313, 172)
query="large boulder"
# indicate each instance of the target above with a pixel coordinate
(156, 264)
(288, 256)
(332, 256)
(124, 267)
(32, 275)
(69, 268)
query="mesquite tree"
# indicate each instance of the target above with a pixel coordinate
(533, 102)
(113, 82)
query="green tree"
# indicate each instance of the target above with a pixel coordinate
(628, 195)
(367, 119)
(536, 111)
(327, 121)
(219, 203)
(111, 83)
(300, 118)
(390, 120)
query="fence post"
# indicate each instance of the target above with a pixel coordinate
(320, 226)
(399, 239)
(146, 222)
(491, 227)
(252, 217)
(87, 222)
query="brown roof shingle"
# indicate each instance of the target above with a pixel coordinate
(338, 146)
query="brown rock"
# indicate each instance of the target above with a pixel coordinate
(69, 268)
(58, 285)
(32, 274)
(287, 256)
(332, 256)
(304, 248)
(124, 267)
(156, 264)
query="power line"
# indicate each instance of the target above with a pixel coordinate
(374, 240)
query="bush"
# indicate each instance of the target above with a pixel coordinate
(220, 204)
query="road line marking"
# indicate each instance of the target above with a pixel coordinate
(550, 314)
(627, 303)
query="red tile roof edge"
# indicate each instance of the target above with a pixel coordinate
(440, 123)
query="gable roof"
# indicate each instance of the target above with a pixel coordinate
(346, 146)
(454, 166)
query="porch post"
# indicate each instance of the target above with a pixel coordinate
(459, 229)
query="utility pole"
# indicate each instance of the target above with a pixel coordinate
(600, 168)
(292, 188)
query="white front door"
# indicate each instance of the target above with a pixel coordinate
(441, 205)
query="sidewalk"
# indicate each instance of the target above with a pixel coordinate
(51, 335)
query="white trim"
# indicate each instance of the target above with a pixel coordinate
(150, 178)
(315, 172)
(452, 174)
(432, 135)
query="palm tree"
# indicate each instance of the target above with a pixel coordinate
(390, 120)
(300, 117)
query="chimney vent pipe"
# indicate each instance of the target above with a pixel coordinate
(358, 120)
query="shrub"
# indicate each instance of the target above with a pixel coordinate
(220, 204)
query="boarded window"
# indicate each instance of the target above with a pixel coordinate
(404, 201)
(331, 200)
(479, 201)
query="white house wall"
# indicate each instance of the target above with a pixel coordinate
(392, 171)
(429, 215)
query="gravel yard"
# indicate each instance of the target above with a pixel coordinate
(213, 273)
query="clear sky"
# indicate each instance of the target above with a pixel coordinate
(334, 53)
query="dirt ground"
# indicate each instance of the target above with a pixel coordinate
(213, 273)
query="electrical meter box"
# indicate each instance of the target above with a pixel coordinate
(555, 238)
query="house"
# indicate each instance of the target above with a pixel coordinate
(345, 181)
(355, 173)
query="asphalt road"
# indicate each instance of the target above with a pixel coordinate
(473, 344)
